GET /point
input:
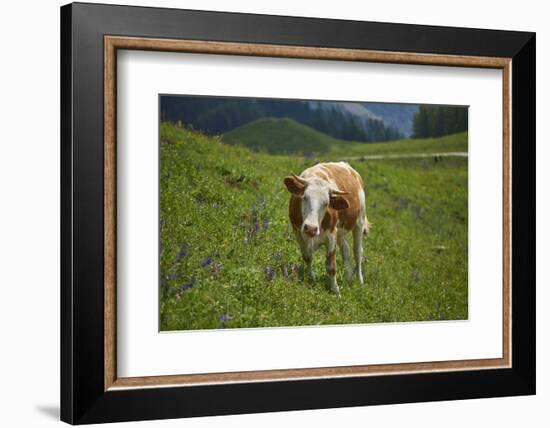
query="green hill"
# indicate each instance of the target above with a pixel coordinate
(228, 257)
(286, 136)
(280, 136)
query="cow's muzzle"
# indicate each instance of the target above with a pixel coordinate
(310, 230)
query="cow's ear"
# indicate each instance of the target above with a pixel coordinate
(338, 202)
(294, 186)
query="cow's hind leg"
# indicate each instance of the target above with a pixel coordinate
(331, 263)
(344, 250)
(358, 249)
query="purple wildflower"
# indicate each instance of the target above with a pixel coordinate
(206, 262)
(373, 205)
(164, 286)
(284, 271)
(225, 317)
(215, 205)
(188, 285)
(269, 273)
(277, 255)
(251, 232)
(256, 221)
(261, 202)
(308, 155)
(184, 251)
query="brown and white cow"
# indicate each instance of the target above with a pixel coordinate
(327, 202)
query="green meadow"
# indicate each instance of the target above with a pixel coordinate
(228, 258)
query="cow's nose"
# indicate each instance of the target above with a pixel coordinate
(310, 230)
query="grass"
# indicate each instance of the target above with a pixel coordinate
(229, 259)
(449, 143)
(280, 136)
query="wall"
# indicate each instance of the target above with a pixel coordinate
(29, 230)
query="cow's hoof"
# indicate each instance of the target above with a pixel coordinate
(359, 274)
(334, 287)
(349, 276)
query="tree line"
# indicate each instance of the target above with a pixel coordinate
(216, 115)
(436, 121)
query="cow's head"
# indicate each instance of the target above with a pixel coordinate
(317, 196)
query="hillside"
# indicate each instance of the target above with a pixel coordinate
(449, 143)
(280, 136)
(228, 257)
(219, 115)
(285, 136)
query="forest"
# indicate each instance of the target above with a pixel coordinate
(219, 115)
(436, 121)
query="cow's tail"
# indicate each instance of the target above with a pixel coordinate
(366, 226)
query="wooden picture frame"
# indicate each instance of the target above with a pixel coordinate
(91, 390)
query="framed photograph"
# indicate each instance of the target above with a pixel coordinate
(266, 213)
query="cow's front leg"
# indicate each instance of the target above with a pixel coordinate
(307, 254)
(331, 262)
(308, 258)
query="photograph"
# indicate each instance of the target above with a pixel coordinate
(263, 212)
(292, 212)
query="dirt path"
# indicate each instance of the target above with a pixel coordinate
(406, 155)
